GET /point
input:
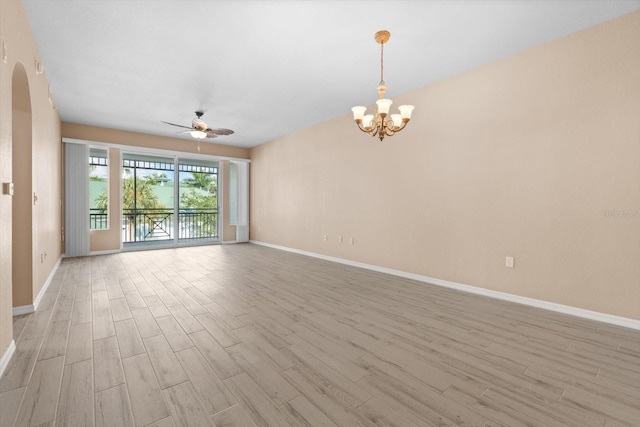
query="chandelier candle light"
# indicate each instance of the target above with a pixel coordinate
(379, 125)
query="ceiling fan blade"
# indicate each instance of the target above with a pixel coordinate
(180, 126)
(210, 135)
(219, 131)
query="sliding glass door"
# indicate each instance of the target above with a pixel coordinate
(160, 206)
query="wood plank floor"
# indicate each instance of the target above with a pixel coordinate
(243, 335)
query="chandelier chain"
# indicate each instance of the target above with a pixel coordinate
(382, 63)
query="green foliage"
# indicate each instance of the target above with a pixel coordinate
(144, 194)
(202, 193)
(197, 199)
(157, 178)
(202, 180)
(102, 201)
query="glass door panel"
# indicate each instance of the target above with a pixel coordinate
(148, 198)
(198, 199)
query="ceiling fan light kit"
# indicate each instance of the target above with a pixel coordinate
(198, 134)
(199, 129)
(382, 124)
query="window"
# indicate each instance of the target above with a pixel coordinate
(98, 189)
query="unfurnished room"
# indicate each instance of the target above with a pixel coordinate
(319, 213)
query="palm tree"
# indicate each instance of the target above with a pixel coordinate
(137, 195)
(144, 197)
(204, 181)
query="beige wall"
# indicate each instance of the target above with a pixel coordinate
(523, 157)
(114, 136)
(108, 240)
(22, 211)
(228, 230)
(46, 177)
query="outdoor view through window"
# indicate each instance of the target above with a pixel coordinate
(150, 200)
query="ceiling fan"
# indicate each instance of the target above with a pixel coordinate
(199, 128)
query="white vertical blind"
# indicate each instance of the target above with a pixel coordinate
(76, 194)
(242, 212)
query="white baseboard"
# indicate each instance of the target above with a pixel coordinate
(105, 252)
(36, 302)
(23, 309)
(4, 360)
(560, 308)
(26, 309)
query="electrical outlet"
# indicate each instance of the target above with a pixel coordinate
(351, 241)
(324, 237)
(509, 261)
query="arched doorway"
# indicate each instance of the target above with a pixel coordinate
(22, 205)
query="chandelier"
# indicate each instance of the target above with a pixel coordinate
(381, 125)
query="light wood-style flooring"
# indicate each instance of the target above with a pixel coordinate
(243, 335)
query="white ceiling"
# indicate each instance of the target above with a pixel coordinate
(269, 68)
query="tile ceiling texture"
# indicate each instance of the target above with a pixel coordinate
(270, 68)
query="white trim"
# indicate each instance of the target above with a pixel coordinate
(560, 308)
(220, 199)
(120, 208)
(158, 151)
(6, 357)
(152, 246)
(26, 309)
(23, 309)
(36, 302)
(242, 203)
(105, 252)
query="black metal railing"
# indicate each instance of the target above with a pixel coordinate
(198, 223)
(141, 225)
(98, 219)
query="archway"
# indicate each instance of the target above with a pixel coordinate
(22, 206)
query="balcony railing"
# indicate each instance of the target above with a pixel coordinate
(198, 223)
(98, 219)
(141, 225)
